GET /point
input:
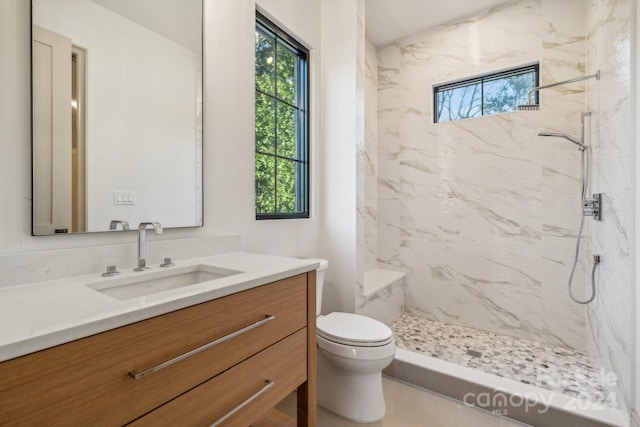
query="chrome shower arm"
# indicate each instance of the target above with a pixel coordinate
(577, 79)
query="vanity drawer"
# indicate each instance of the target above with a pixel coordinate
(87, 382)
(252, 388)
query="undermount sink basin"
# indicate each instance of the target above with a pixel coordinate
(158, 281)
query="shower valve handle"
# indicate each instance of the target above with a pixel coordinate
(593, 207)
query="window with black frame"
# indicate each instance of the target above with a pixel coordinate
(282, 130)
(486, 95)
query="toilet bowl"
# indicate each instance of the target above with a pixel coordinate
(352, 352)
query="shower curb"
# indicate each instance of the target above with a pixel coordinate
(500, 396)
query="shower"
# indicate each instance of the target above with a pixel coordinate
(590, 207)
(483, 214)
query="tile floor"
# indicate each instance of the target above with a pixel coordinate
(553, 368)
(409, 406)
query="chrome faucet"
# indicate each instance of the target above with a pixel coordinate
(142, 243)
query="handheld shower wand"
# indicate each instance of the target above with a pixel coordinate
(587, 205)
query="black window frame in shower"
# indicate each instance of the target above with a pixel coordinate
(533, 68)
(302, 134)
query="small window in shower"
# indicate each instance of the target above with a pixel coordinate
(485, 95)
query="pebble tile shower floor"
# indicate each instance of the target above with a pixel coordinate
(553, 368)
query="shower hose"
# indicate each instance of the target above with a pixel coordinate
(584, 168)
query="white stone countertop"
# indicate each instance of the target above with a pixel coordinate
(45, 314)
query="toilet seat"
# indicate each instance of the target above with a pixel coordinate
(353, 330)
(359, 353)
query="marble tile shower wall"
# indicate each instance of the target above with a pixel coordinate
(386, 304)
(360, 148)
(482, 213)
(609, 318)
(371, 158)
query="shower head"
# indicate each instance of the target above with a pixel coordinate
(567, 137)
(529, 107)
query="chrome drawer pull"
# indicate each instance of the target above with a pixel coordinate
(267, 386)
(137, 375)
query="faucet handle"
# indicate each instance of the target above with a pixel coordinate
(113, 225)
(157, 227)
(167, 262)
(111, 271)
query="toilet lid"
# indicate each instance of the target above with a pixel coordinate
(349, 328)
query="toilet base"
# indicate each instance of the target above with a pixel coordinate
(354, 395)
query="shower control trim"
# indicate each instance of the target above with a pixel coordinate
(593, 207)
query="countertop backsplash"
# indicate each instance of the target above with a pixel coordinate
(33, 267)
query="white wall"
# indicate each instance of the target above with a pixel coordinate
(229, 127)
(339, 72)
(228, 140)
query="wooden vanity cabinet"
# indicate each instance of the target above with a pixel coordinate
(254, 348)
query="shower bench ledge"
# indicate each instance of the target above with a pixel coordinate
(378, 279)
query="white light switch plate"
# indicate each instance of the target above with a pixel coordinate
(124, 198)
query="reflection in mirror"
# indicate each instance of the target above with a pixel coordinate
(117, 114)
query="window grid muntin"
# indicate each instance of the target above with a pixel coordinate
(301, 162)
(535, 69)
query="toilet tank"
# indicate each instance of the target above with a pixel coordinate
(319, 281)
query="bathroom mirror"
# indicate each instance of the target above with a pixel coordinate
(116, 114)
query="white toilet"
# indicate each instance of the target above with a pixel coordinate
(352, 352)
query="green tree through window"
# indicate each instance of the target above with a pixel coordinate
(281, 169)
(483, 96)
